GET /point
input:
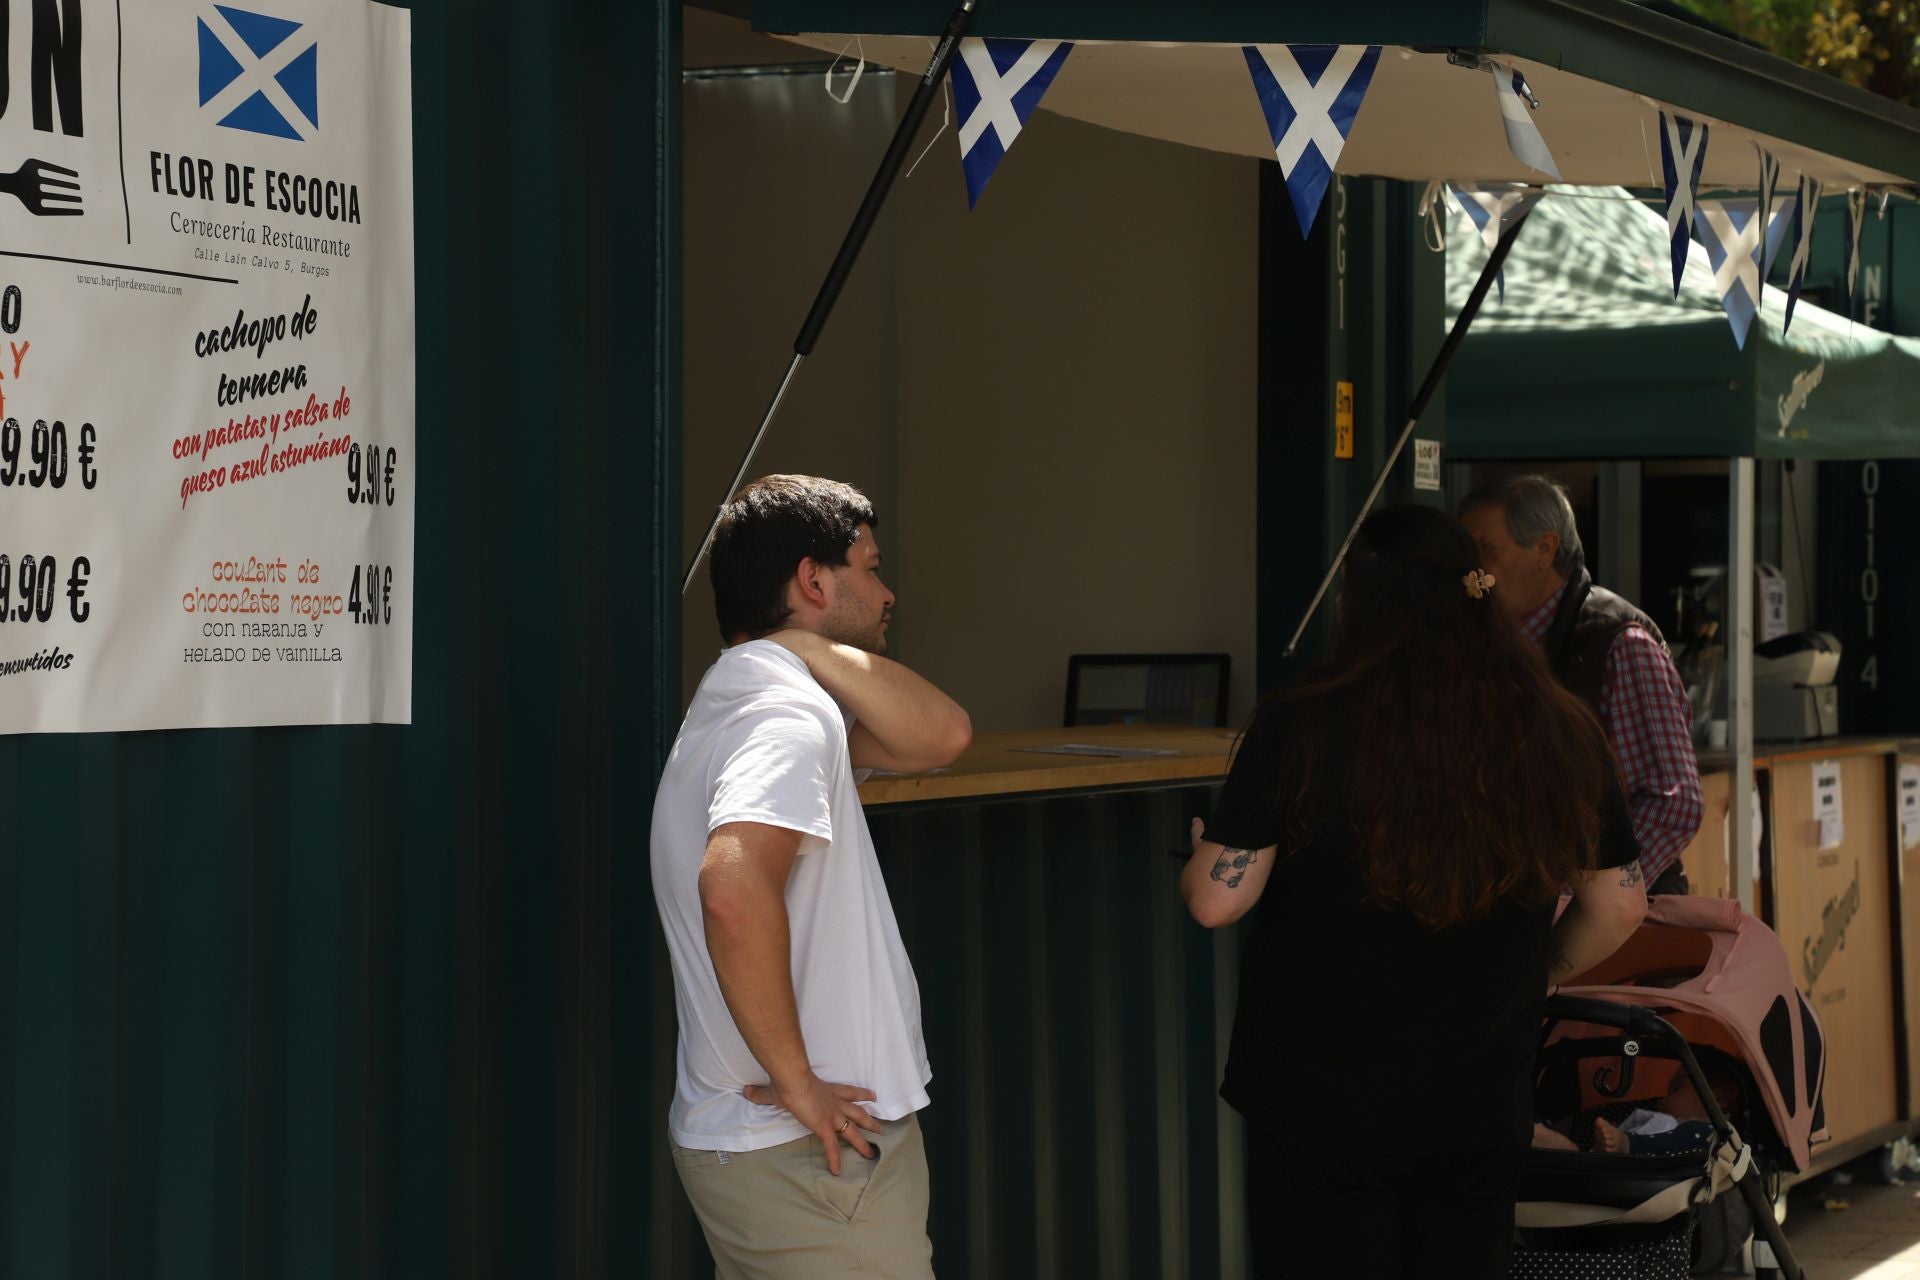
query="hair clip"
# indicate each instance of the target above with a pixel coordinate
(1478, 583)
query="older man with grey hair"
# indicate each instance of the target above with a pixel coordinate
(1603, 649)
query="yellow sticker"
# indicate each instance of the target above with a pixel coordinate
(1343, 419)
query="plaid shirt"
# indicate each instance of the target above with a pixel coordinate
(1648, 719)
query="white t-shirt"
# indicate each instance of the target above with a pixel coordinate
(763, 742)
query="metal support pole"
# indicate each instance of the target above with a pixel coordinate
(1739, 633)
(923, 95)
(1436, 372)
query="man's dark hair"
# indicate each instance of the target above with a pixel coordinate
(765, 532)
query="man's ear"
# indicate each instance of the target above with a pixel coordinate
(1547, 550)
(811, 583)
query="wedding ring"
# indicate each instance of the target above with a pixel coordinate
(844, 1122)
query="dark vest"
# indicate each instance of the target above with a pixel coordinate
(1591, 618)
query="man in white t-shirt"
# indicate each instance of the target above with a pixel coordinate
(799, 1013)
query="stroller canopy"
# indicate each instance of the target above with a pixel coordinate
(1723, 979)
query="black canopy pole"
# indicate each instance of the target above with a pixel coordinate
(856, 238)
(1488, 274)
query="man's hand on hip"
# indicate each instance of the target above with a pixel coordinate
(832, 1111)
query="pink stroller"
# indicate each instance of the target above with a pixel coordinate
(1701, 988)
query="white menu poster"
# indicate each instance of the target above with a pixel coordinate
(206, 364)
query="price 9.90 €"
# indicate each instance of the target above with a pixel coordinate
(40, 459)
(36, 583)
(370, 475)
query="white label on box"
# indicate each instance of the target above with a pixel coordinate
(1426, 464)
(1829, 830)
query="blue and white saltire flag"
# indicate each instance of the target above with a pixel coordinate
(1805, 203)
(1850, 247)
(1769, 186)
(1732, 231)
(1310, 94)
(1491, 212)
(1516, 113)
(1683, 153)
(996, 86)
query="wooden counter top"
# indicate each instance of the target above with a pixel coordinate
(1765, 753)
(994, 764)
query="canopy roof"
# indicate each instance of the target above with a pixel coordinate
(1601, 69)
(1591, 356)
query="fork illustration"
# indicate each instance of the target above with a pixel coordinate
(43, 188)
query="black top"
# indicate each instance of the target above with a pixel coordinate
(1357, 1024)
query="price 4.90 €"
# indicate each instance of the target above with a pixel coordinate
(35, 583)
(44, 465)
(373, 603)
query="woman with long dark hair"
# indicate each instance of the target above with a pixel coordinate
(1406, 816)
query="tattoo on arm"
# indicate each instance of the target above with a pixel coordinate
(1230, 868)
(1630, 875)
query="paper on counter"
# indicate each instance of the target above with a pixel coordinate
(1087, 749)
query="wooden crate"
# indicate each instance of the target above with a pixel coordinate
(1832, 911)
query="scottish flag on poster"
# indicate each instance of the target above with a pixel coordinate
(1732, 231)
(1683, 154)
(260, 73)
(1310, 95)
(1491, 212)
(996, 86)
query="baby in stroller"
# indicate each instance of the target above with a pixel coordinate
(1704, 993)
(1667, 1126)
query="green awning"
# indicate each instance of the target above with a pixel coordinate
(1591, 355)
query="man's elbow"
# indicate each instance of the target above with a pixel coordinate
(1696, 817)
(958, 737)
(724, 906)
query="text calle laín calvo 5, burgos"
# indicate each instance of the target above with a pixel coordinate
(274, 191)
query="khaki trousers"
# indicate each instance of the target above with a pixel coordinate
(778, 1214)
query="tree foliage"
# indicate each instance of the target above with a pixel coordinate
(1871, 43)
